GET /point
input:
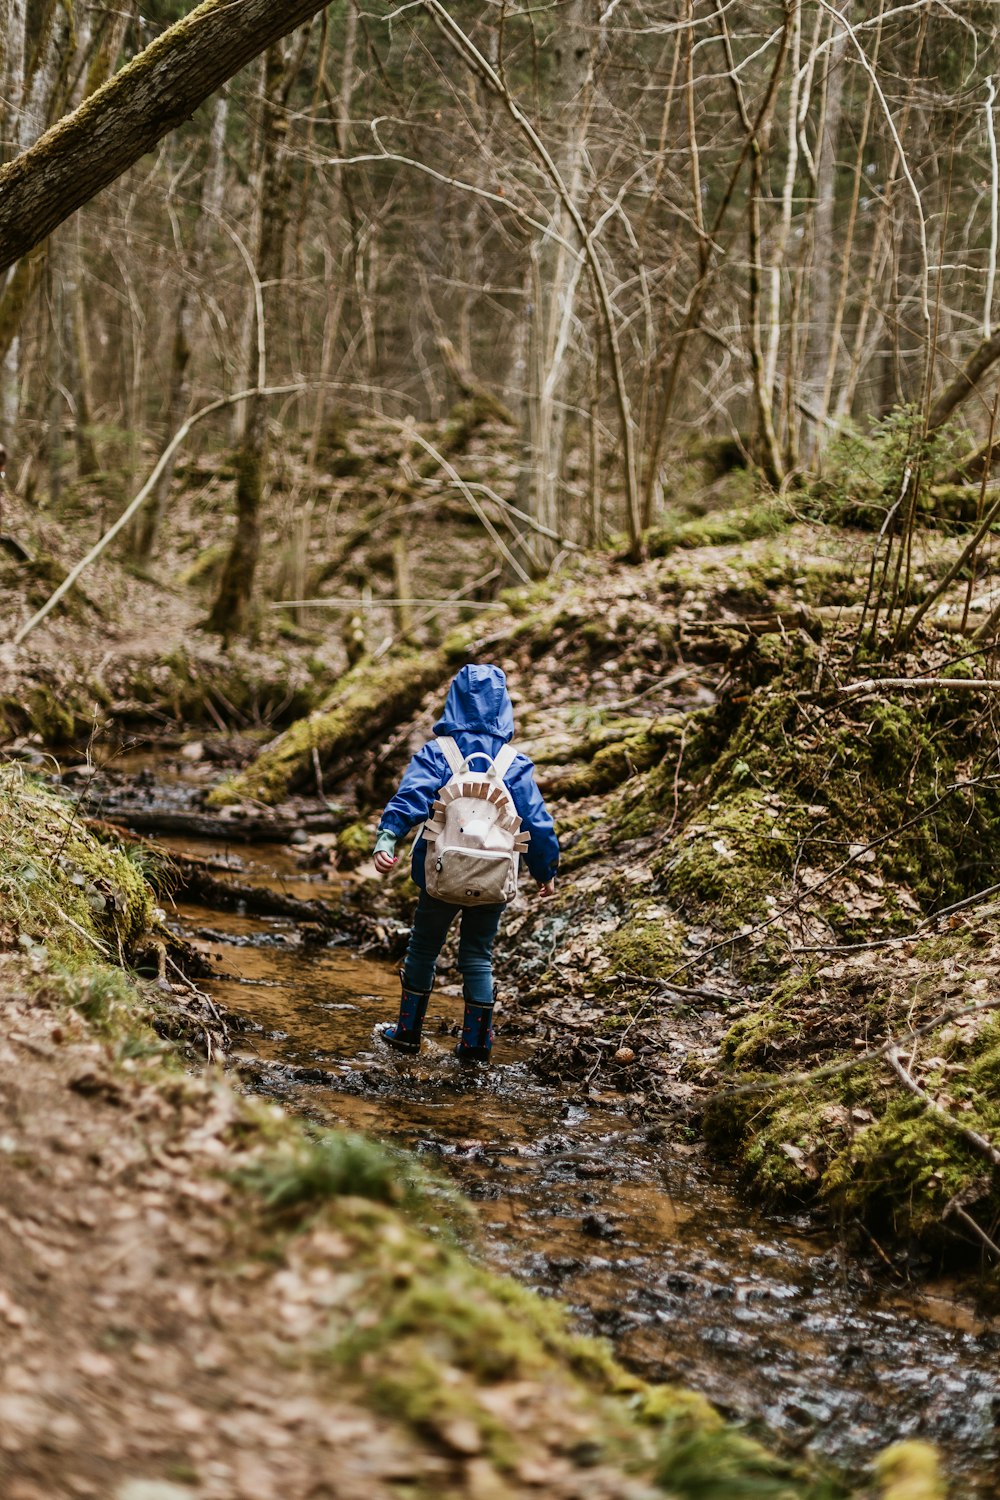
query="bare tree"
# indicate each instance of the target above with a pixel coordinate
(231, 609)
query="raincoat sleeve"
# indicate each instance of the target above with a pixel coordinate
(411, 803)
(542, 857)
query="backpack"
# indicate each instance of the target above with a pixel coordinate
(474, 833)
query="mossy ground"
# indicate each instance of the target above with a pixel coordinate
(858, 1142)
(59, 882)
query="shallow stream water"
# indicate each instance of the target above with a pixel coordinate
(639, 1233)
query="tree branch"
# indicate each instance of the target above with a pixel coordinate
(114, 127)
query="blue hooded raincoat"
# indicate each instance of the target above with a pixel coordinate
(478, 715)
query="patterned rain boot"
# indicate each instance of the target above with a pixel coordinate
(476, 1041)
(405, 1035)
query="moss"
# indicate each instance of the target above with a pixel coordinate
(734, 859)
(619, 759)
(910, 1471)
(59, 713)
(354, 845)
(856, 1141)
(109, 1000)
(649, 943)
(206, 567)
(57, 880)
(699, 1462)
(302, 1174)
(741, 524)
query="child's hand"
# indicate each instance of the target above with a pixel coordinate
(546, 889)
(384, 854)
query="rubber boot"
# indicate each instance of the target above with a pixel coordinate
(405, 1035)
(476, 1041)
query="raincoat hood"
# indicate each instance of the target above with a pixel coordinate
(478, 701)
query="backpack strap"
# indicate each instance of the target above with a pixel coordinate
(452, 754)
(503, 761)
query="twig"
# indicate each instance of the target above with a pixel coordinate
(956, 1210)
(991, 270)
(677, 989)
(870, 684)
(901, 937)
(323, 603)
(979, 1142)
(460, 484)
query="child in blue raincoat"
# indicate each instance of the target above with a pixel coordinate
(479, 716)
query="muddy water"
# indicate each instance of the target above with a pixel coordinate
(635, 1231)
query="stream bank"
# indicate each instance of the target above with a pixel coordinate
(203, 1301)
(582, 1196)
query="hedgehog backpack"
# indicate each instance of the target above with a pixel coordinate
(474, 834)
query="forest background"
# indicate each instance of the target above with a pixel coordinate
(622, 229)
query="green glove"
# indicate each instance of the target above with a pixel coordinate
(385, 844)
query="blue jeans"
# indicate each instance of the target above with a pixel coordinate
(475, 946)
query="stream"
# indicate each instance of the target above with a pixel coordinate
(641, 1235)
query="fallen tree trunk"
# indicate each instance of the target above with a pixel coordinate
(366, 701)
(198, 878)
(973, 465)
(331, 923)
(254, 828)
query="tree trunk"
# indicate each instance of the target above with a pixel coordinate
(14, 289)
(821, 309)
(148, 98)
(230, 613)
(184, 323)
(554, 279)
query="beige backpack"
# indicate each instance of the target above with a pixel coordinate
(474, 838)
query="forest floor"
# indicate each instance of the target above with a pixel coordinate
(734, 826)
(201, 1300)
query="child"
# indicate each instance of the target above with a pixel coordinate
(479, 717)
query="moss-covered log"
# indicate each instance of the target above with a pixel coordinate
(366, 701)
